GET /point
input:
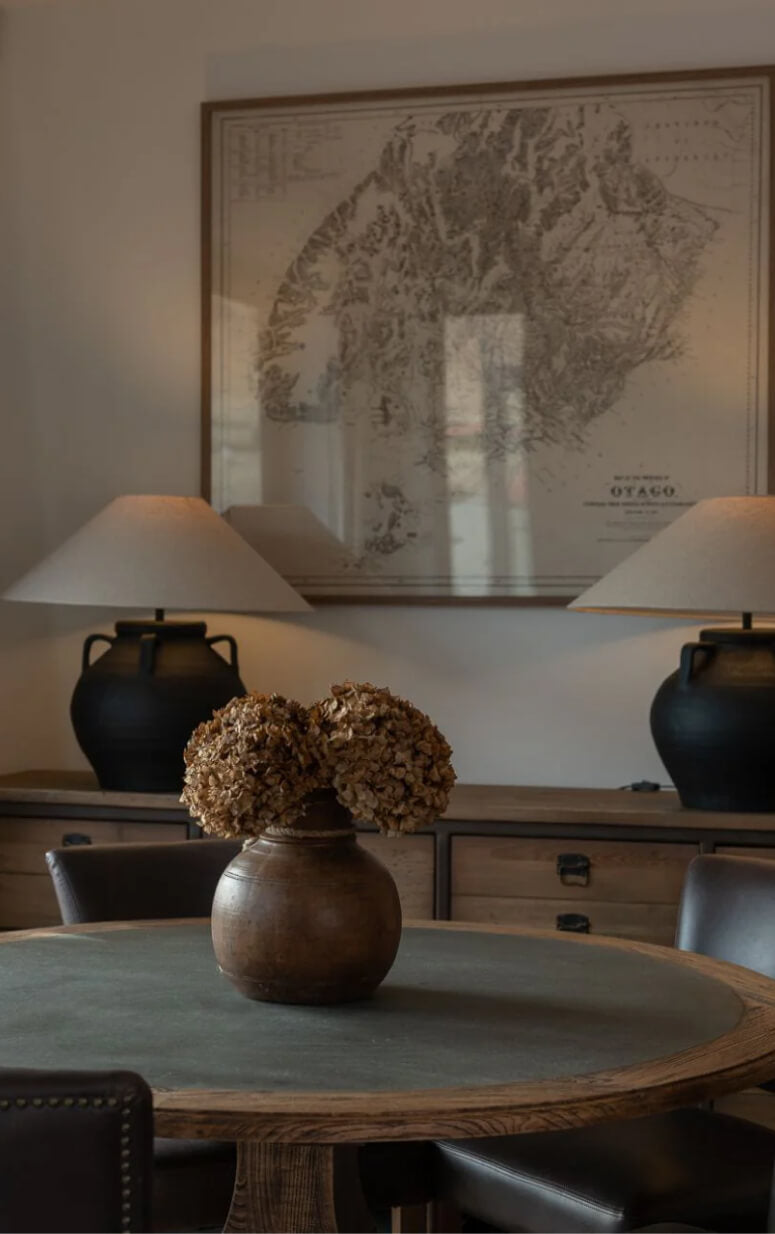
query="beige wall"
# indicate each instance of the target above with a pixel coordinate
(99, 339)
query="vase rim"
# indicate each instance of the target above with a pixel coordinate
(320, 815)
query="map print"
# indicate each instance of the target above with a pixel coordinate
(487, 346)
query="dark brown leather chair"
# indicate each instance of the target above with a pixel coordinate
(695, 1166)
(193, 1179)
(75, 1151)
(127, 882)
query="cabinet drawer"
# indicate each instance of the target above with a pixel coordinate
(25, 842)
(650, 923)
(26, 901)
(620, 871)
(410, 859)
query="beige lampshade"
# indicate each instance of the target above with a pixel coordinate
(158, 553)
(716, 559)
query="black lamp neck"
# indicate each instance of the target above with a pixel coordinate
(159, 615)
(743, 635)
(167, 630)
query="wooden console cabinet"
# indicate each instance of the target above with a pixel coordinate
(606, 861)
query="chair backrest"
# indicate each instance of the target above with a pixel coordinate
(76, 1151)
(727, 910)
(127, 882)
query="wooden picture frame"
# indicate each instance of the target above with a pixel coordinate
(477, 343)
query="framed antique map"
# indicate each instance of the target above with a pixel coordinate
(482, 342)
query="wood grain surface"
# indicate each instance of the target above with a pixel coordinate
(631, 890)
(623, 870)
(297, 1187)
(410, 859)
(651, 923)
(468, 802)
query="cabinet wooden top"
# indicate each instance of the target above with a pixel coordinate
(77, 788)
(486, 803)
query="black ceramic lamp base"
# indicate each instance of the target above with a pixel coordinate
(134, 709)
(713, 721)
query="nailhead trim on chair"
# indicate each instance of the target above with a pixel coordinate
(37, 1103)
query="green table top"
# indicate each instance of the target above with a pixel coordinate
(458, 1008)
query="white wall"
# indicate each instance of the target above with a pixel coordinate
(99, 341)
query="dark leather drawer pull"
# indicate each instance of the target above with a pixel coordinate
(75, 837)
(576, 923)
(573, 868)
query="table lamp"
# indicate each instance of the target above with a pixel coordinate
(134, 708)
(713, 719)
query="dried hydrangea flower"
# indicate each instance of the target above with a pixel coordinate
(388, 762)
(251, 766)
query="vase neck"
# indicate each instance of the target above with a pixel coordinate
(320, 816)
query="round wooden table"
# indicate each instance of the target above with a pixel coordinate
(475, 1031)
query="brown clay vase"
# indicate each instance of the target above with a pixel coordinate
(305, 915)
